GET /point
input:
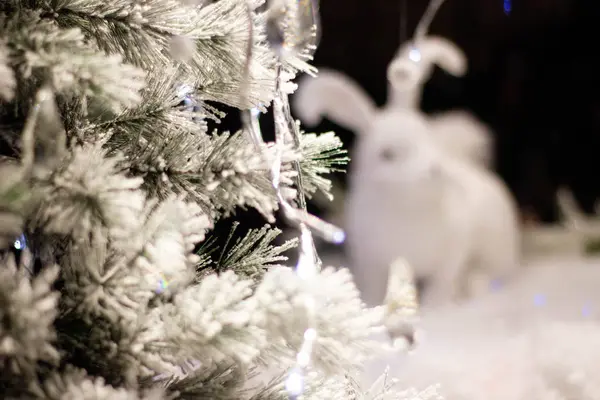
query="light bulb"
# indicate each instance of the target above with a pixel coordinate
(414, 55)
(310, 334)
(294, 384)
(20, 243)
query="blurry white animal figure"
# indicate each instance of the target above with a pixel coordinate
(409, 195)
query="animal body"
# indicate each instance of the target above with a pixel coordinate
(413, 192)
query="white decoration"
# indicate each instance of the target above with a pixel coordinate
(411, 196)
(510, 345)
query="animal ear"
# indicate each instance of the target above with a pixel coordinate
(444, 53)
(413, 65)
(415, 60)
(335, 96)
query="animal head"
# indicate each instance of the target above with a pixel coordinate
(396, 147)
(395, 142)
(413, 66)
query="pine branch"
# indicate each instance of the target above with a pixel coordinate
(316, 387)
(141, 32)
(172, 166)
(220, 320)
(254, 254)
(221, 381)
(109, 292)
(157, 117)
(87, 192)
(221, 172)
(211, 321)
(146, 36)
(343, 322)
(74, 384)
(233, 174)
(107, 348)
(42, 147)
(169, 237)
(40, 50)
(344, 387)
(321, 155)
(99, 282)
(27, 311)
(8, 83)
(174, 156)
(118, 285)
(272, 390)
(221, 34)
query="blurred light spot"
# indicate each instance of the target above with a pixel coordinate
(496, 284)
(414, 55)
(162, 285)
(20, 243)
(539, 300)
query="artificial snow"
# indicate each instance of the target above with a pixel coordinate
(536, 338)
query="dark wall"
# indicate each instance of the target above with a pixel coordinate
(532, 77)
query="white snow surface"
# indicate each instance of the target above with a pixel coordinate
(536, 338)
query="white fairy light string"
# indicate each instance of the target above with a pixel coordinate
(427, 19)
(422, 28)
(282, 18)
(284, 14)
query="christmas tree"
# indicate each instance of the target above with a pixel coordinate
(112, 183)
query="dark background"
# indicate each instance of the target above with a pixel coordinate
(532, 78)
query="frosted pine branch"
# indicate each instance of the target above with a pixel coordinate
(76, 385)
(220, 173)
(145, 34)
(221, 33)
(234, 175)
(343, 322)
(386, 388)
(320, 386)
(40, 49)
(317, 386)
(252, 255)
(170, 165)
(27, 310)
(91, 191)
(141, 32)
(220, 319)
(100, 283)
(158, 116)
(7, 78)
(169, 237)
(220, 381)
(113, 284)
(211, 321)
(321, 155)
